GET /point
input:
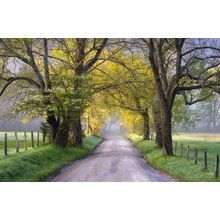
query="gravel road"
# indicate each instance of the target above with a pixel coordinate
(114, 160)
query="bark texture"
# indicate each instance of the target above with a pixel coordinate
(77, 133)
(146, 135)
(63, 133)
(54, 126)
(167, 130)
(157, 123)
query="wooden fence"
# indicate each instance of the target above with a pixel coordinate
(33, 143)
(195, 152)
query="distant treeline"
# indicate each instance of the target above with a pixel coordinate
(15, 124)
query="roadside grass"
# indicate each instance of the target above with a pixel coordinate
(39, 163)
(179, 167)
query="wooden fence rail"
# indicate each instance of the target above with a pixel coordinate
(25, 140)
(32, 139)
(17, 141)
(181, 150)
(38, 139)
(195, 151)
(188, 152)
(6, 145)
(195, 155)
(205, 160)
(217, 166)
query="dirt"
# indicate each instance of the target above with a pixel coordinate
(115, 160)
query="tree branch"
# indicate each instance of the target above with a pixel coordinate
(33, 63)
(92, 61)
(12, 79)
(191, 102)
(46, 66)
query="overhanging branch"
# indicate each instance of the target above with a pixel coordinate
(12, 79)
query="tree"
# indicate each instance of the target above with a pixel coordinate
(184, 117)
(58, 70)
(95, 115)
(156, 108)
(133, 80)
(78, 56)
(32, 54)
(173, 62)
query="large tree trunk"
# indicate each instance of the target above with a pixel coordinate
(63, 133)
(146, 135)
(167, 129)
(54, 126)
(77, 133)
(157, 123)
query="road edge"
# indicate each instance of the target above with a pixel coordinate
(172, 178)
(62, 169)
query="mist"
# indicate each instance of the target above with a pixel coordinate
(15, 124)
(114, 128)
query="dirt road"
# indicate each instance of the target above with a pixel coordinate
(114, 160)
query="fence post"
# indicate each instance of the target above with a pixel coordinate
(181, 150)
(196, 155)
(25, 140)
(43, 133)
(32, 139)
(38, 138)
(205, 159)
(6, 145)
(17, 142)
(217, 166)
(188, 153)
(175, 148)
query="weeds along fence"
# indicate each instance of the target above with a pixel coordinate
(208, 159)
(15, 142)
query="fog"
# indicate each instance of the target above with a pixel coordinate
(206, 117)
(15, 124)
(114, 128)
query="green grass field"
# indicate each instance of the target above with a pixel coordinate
(36, 164)
(178, 166)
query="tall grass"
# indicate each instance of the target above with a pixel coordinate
(38, 163)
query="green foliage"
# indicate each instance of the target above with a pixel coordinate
(131, 88)
(183, 114)
(62, 97)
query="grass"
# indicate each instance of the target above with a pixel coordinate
(179, 167)
(40, 162)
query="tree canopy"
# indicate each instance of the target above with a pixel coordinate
(75, 84)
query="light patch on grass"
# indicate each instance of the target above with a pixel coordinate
(197, 137)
